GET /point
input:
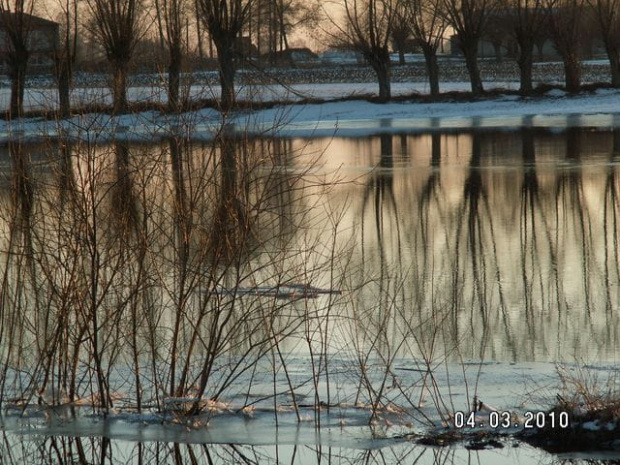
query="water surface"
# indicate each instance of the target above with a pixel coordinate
(145, 281)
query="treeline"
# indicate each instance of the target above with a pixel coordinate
(223, 29)
(372, 25)
(228, 29)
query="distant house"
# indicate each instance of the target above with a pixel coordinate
(43, 42)
(291, 56)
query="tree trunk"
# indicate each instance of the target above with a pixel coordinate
(282, 28)
(199, 37)
(228, 160)
(18, 64)
(160, 26)
(572, 72)
(382, 70)
(432, 68)
(401, 54)
(174, 80)
(525, 61)
(63, 75)
(497, 49)
(119, 88)
(470, 50)
(613, 54)
(285, 38)
(379, 59)
(226, 60)
(271, 32)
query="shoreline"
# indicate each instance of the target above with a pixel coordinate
(554, 110)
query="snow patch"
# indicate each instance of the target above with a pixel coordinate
(348, 118)
(591, 425)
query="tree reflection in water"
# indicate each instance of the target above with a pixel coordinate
(522, 196)
(123, 266)
(66, 450)
(611, 225)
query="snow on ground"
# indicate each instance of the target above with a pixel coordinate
(359, 117)
(44, 98)
(345, 118)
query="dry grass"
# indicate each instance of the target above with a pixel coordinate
(591, 399)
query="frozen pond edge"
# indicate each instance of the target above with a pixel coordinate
(556, 110)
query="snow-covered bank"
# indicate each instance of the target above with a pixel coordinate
(555, 110)
(45, 96)
(344, 118)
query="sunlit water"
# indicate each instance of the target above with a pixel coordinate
(158, 277)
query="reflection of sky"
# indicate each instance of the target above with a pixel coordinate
(509, 261)
(475, 257)
(554, 246)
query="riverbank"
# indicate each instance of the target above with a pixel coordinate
(262, 87)
(554, 109)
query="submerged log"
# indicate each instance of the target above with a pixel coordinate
(284, 291)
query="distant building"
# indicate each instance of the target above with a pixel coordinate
(43, 42)
(291, 57)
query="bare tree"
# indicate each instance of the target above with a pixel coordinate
(17, 21)
(292, 14)
(400, 33)
(115, 24)
(566, 25)
(469, 18)
(428, 26)
(172, 19)
(607, 15)
(496, 32)
(66, 53)
(529, 19)
(272, 22)
(224, 21)
(264, 26)
(369, 26)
